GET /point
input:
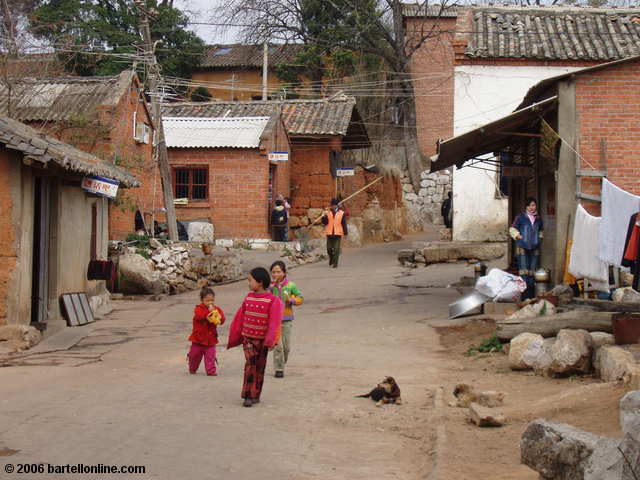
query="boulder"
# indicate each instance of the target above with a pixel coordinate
(571, 353)
(614, 364)
(600, 339)
(538, 309)
(564, 293)
(136, 276)
(541, 362)
(523, 349)
(485, 417)
(556, 451)
(625, 295)
(630, 415)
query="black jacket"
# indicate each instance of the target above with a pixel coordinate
(278, 217)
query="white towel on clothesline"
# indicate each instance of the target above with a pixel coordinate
(584, 261)
(617, 208)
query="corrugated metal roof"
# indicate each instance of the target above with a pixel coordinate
(61, 98)
(432, 10)
(300, 117)
(38, 147)
(236, 55)
(197, 132)
(554, 33)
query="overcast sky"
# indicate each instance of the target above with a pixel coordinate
(205, 11)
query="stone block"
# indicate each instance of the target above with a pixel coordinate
(485, 417)
(571, 352)
(614, 364)
(524, 349)
(200, 232)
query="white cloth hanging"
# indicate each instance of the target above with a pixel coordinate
(617, 208)
(584, 261)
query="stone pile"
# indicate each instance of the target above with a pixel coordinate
(425, 205)
(559, 451)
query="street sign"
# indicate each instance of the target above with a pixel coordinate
(105, 187)
(345, 172)
(278, 156)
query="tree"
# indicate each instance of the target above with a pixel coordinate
(200, 94)
(374, 27)
(98, 37)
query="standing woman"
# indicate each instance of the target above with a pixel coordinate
(256, 327)
(527, 231)
(290, 295)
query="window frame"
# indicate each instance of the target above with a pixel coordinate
(190, 185)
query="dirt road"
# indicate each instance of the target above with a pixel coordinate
(123, 396)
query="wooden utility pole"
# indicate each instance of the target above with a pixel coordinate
(161, 145)
(265, 69)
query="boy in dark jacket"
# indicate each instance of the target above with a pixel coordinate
(279, 221)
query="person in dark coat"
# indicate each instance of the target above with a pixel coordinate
(279, 221)
(447, 210)
(528, 231)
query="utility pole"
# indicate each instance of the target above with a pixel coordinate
(265, 69)
(161, 147)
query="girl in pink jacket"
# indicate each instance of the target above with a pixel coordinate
(256, 327)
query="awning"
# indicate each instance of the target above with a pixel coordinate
(489, 137)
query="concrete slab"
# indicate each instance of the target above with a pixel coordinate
(62, 340)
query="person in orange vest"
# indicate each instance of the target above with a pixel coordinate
(336, 227)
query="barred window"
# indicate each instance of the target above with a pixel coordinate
(191, 182)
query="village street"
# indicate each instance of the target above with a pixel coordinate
(123, 396)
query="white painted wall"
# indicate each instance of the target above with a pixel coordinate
(483, 94)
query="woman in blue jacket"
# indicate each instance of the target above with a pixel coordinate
(527, 231)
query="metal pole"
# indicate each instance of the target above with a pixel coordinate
(265, 69)
(161, 147)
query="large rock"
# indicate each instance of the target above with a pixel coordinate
(600, 339)
(630, 415)
(485, 417)
(541, 362)
(137, 276)
(571, 353)
(200, 232)
(524, 349)
(614, 364)
(538, 309)
(557, 451)
(626, 295)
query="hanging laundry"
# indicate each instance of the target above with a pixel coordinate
(617, 207)
(584, 261)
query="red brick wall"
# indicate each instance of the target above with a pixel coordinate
(238, 190)
(8, 255)
(608, 108)
(312, 185)
(432, 67)
(388, 191)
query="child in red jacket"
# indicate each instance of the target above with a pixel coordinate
(204, 336)
(256, 327)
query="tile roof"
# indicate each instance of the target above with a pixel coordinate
(198, 132)
(237, 55)
(300, 117)
(432, 10)
(61, 98)
(36, 146)
(554, 33)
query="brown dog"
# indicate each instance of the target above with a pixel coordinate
(387, 391)
(466, 395)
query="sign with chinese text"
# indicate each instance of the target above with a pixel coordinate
(104, 187)
(345, 172)
(278, 156)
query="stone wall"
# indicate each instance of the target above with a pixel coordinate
(425, 205)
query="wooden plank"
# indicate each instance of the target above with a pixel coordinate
(550, 325)
(607, 305)
(591, 173)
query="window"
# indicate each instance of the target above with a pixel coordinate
(191, 182)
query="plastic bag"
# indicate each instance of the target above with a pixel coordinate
(501, 286)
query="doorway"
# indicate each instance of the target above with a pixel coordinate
(40, 269)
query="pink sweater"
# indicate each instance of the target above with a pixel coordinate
(259, 316)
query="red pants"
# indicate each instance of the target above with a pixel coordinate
(196, 352)
(255, 354)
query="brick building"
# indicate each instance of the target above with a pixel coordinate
(319, 131)
(50, 228)
(222, 172)
(596, 113)
(233, 72)
(478, 66)
(104, 116)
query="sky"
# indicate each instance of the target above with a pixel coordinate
(205, 11)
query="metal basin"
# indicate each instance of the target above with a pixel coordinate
(466, 303)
